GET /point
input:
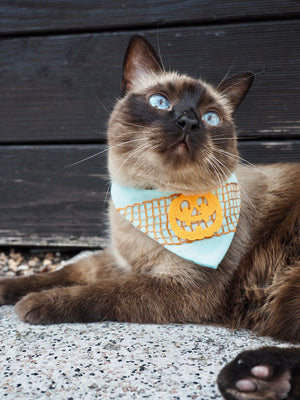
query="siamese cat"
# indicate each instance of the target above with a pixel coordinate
(196, 237)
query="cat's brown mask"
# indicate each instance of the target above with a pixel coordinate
(174, 148)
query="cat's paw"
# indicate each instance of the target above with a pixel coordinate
(263, 374)
(54, 306)
(37, 308)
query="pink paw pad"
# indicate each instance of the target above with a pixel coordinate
(261, 371)
(245, 385)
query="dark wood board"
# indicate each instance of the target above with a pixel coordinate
(52, 15)
(266, 152)
(44, 203)
(59, 89)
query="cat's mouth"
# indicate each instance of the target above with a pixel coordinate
(182, 147)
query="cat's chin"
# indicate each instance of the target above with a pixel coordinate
(195, 185)
(169, 184)
(186, 189)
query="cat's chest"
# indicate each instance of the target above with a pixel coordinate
(139, 253)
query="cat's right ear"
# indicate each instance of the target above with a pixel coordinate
(140, 60)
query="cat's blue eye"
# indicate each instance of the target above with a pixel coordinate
(211, 118)
(159, 101)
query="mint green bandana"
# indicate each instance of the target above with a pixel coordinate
(199, 228)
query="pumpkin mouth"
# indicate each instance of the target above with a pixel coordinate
(196, 220)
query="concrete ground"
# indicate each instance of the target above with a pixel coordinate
(113, 360)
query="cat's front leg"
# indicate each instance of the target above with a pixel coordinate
(133, 298)
(89, 269)
(13, 289)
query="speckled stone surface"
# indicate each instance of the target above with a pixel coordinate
(113, 360)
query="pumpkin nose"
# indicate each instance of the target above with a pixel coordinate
(188, 121)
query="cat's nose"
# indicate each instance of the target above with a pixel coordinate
(188, 121)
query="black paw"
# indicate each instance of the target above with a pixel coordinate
(269, 373)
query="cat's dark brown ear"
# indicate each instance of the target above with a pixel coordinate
(140, 59)
(236, 88)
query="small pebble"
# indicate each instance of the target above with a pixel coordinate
(33, 262)
(12, 265)
(47, 262)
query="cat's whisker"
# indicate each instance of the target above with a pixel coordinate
(224, 95)
(103, 151)
(131, 156)
(231, 155)
(143, 153)
(242, 189)
(222, 167)
(162, 171)
(130, 141)
(102, 105)
(229, 70)
(222, 138)
(155, 60)
(215, 168)
(238, 139)
(99, 132)
(134, 125)
(106, 193)
(159, 52)
(130, 124)
(85, 159)
(153, 147)
(238, 158)
(127, 123)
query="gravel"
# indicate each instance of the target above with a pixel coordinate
(22, 262)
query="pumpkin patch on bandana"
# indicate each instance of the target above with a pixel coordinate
(175, 220)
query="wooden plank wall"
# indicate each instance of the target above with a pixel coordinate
(60, 69)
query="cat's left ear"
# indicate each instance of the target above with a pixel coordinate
(140, 60)
(236, 88)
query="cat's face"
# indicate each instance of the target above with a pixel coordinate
(171, 132)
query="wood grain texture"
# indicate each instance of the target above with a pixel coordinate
(60, 70)
(60, 89)
(270, 151)
(44, 203)
(52, 15)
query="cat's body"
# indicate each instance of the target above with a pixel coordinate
(176, 134)
(218, 295)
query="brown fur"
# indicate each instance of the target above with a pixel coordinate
(256, 285)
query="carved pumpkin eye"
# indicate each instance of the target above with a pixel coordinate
(159, 101)
(211, 117)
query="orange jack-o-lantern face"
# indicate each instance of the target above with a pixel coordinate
(195, 217)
